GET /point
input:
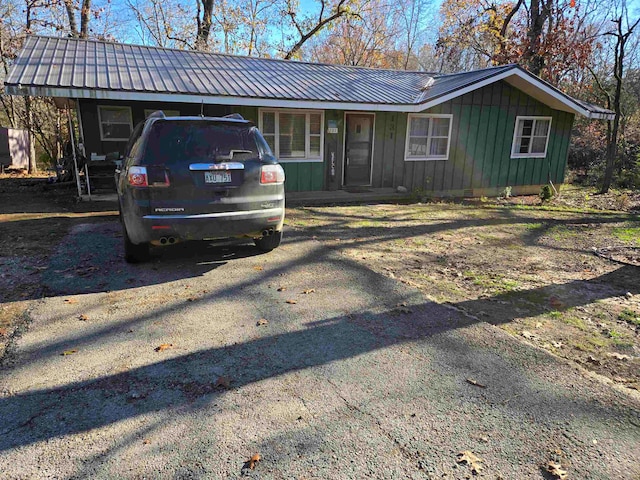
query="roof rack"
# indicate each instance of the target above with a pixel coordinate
(157, 114)
(235, 116)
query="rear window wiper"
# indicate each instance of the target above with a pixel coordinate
(231, 154)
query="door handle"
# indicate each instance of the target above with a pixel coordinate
(347, 160)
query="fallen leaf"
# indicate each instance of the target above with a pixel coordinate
(253, 460)
(3, 332)
(538, 324)
(282, 289)
(556, 470)
(258, 268)
(468, 458)
(83, 317)
(69, 352)
(473, 382)
(593, 360)
(70, 301)
(163, 347)
(308, 291)
(262, 321)
(146, 442)
(291, 302)
(556, 303)
(619, 356)
(223, 382)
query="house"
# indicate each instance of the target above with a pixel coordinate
(331, 126)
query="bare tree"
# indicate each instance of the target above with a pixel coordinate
(203, 22)
(366, 40)
(413, 15)
(159, 27)
(256, 21)
(306, 26)
(621, 33)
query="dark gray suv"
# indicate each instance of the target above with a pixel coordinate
(198, 178)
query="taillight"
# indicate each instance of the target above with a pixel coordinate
(141, 177)
(271, 174)
(138, 176)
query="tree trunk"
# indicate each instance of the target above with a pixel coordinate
(71, 15)
(538, 14)
(612, 150)
(618, 72)
(85, 16)
(204, 25)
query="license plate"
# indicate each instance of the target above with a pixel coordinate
(217, 177)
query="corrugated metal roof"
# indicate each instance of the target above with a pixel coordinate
(75, 63)
(46, 64)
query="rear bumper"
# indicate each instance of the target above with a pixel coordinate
(243, 223)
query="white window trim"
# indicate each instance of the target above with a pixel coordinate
(515, 154)
(307, 144)
(428, 158)
(113, 107)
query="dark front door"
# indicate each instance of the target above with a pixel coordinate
(358, 145)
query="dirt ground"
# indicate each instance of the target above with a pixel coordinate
(34, 217)
(563, 276)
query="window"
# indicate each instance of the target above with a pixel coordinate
(116, 123)
(293, 135)
(172, 142)
(531, 137)
(428, 137)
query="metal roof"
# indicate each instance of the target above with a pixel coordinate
(76, 68)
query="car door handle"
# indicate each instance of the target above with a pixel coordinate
(347, 160)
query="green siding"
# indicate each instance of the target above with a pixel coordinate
(303, 177)
(483, 123)
(480, 148)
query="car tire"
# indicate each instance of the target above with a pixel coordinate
(134, 253)
(268, 243)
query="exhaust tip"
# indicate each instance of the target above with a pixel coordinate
(163, 241)
(172, 240)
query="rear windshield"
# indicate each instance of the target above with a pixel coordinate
(181, 141)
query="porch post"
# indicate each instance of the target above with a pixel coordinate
(73, 152)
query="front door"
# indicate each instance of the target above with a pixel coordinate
(357, 149)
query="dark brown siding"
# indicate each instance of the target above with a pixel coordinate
(91, 129)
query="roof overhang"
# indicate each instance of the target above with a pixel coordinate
(515, 76)
(82, 93)
(532, 86)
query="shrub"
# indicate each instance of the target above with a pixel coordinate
(546, 193)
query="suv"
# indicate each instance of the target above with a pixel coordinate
(198, 178)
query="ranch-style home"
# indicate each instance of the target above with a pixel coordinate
(332, 126)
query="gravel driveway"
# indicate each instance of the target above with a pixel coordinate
(189, 365)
